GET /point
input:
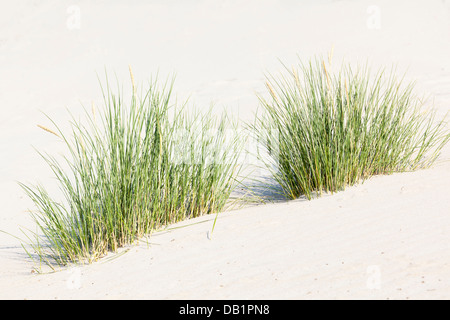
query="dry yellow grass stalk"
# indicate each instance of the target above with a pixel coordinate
(132, 79)
(297, 81)
(326, 74)
(272, 92)
(325, 70)
(49, 130)
(330, 55)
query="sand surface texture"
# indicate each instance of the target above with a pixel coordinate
(388, 238)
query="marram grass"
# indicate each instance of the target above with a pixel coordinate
(324, 131)
(132, 167)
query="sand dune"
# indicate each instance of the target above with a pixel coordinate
(388, 238)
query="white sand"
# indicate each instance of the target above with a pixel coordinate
(387, 238)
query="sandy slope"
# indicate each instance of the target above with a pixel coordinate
(387, 238)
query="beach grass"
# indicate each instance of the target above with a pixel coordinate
(322, 131)
(130, 168)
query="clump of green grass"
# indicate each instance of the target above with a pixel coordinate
(324, 131)
(132, 168)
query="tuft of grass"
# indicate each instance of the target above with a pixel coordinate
(132, 168)
(323, 131)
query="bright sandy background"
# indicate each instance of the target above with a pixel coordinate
(388, 238)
